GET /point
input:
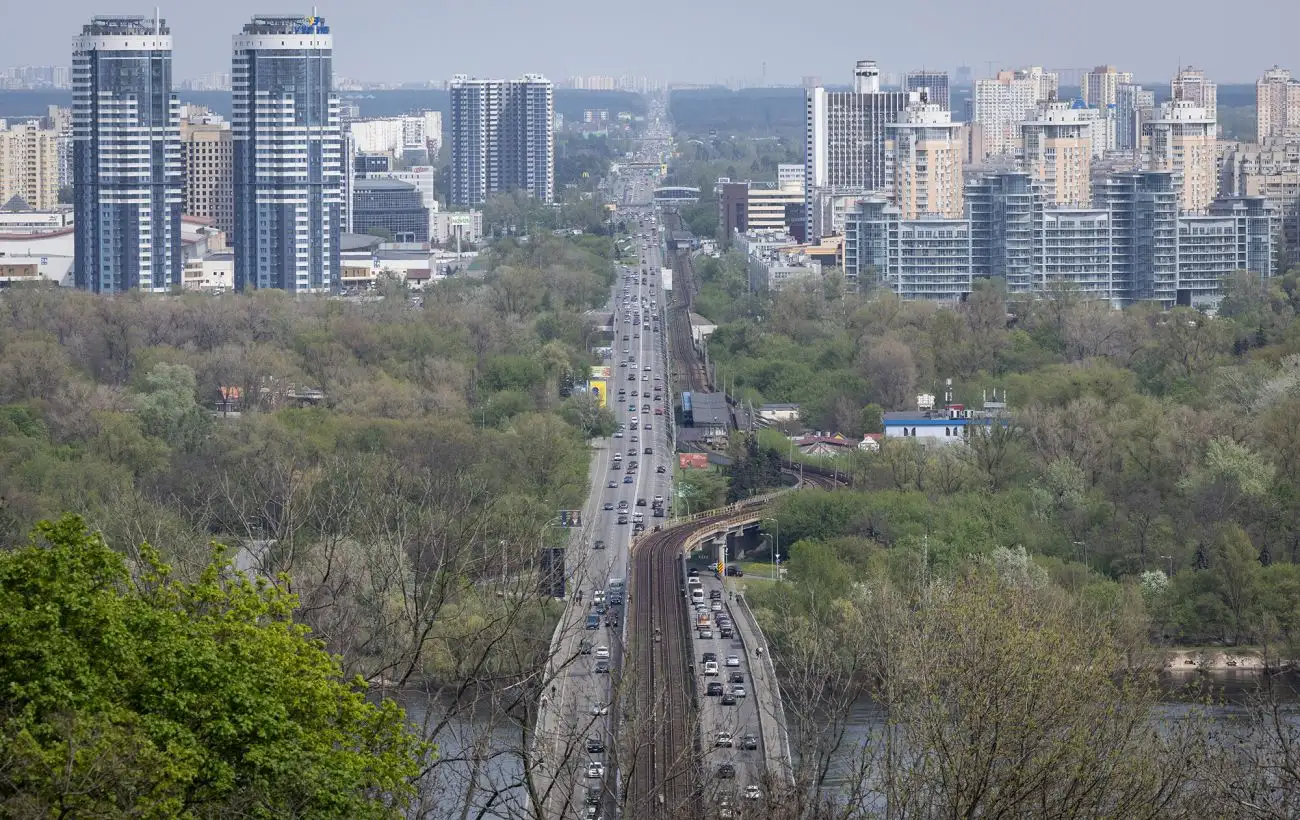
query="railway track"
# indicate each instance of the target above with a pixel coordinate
(664, 779)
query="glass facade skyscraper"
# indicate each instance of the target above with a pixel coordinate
(288, 156)
(126, 157)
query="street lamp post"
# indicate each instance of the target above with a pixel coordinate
(776, 548)
(1170, 559)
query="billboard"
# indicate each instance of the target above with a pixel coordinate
(666, 275)
(693, 461)
(599, 372)
(599, 389)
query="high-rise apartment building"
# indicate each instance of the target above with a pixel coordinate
(501, 138)
(288, 156)
(924, 159)
(1098, 87)
(844, 149)
(29, 165)
(1190, 85)
(1277, 104)
(933, 85)
(1181, 139)
(1133, 108)
(1000, 104)
(1058, 154)
(126, 157)
(208, 158)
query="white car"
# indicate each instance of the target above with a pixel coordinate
(737, 691)
(595, 769)
(732, 660)
(710, 667)
(753, 792)
(724, 739)
(716, 606)
(599, 709)
(602, 653)
(706, 634)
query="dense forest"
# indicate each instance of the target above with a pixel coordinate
(1142, 441)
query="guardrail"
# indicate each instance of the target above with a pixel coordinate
(786, 773)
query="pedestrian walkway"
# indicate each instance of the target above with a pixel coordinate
(767, 690)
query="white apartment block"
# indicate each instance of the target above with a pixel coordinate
(1191, 85)
(1181, 139)
(1277, 104)
(1099, 86)
(924, 161)
(395, 136)
(29, 165)
(1058, 154)
(1005, 101)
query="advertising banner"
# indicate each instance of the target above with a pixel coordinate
(599, 372)
(693, 461)
(600, 391)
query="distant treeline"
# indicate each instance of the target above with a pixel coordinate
(568, 102)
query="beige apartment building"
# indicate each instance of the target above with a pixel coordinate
(1277, 104)
(1191, 85)
(1058, 155)
(208, 157)
(1002, 103)
(29, 166)
(924, 153)
(1100, 86)
(1181, 138)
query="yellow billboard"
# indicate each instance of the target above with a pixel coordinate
(599, 390)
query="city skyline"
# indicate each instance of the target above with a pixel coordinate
(375, 48)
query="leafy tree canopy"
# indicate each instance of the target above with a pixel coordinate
(149, 697)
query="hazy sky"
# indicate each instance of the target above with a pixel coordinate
(710, 40)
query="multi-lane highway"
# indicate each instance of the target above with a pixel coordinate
(631, 491)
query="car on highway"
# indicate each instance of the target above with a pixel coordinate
(706, 634)
(728, 699)
(732, 660)
(661, 469)
(659, 411)
(596, 769)
(607, 505)
(599, 708)
(627, 479)
(736, 677)
(649, 451)
(753, 792)
(711, 668)
(595, 746)
(723, 740)
(640, 502)
(602, 652)
(738, 691)
(584, 647)
(708, 656)
(592, 797)
(714, 689)
(593, 621)
(622, 519)
(598, 545)
(749, 742)
(717, 606)
(612, 485)
(726, 771)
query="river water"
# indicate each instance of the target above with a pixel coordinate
(479, 772)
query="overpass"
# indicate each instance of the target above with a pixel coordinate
(676, 195)
(669, 766)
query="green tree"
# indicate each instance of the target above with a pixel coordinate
(167, 409)
(150, 697)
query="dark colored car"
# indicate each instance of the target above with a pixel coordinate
(749, 742)
(595, 745)
(714, 690)
(599, 545)
(736, 677)
(584, 647)
(727, 699)
(660, 469)
(710, 656)
(593, 797)
(602, 668)
(727, 771)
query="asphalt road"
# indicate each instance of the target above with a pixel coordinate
(578, 705)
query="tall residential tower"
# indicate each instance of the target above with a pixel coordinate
(126, 157)
(288, 156)
(501, 138)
